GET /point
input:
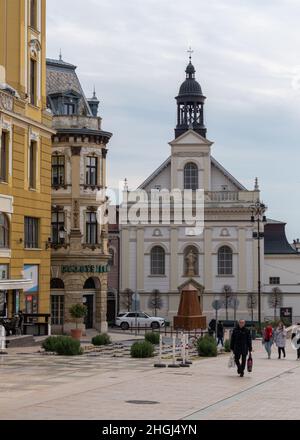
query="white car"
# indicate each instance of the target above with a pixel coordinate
(138, 319)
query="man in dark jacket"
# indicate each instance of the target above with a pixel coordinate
(241, 344)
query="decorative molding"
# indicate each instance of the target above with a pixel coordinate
(75, 151)
(6, 101)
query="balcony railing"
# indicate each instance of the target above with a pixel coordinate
(223, 196)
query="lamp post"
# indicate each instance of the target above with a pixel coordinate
(258, 216)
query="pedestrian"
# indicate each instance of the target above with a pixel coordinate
(220, 333)
(240, 345)
(296, 334)
(268, 339)
(212, 327)
(280, 339)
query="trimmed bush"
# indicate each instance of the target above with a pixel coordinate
(102, 339)
(63, 345)
(142, 349)
(67, 346)
(50, 343)
(227, 346)
(152, 337)
(207, 346)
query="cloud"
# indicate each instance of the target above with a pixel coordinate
(246, 53)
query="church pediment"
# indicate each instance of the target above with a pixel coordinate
(190, 137)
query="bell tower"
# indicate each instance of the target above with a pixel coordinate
(190, 104)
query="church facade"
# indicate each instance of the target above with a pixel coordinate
(222, 259)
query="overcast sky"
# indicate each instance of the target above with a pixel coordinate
(247, 57)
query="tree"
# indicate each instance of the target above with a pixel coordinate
(227, 295)
(234, 303)
(126, 299)
(252, 303)
(155, 301)
(275, 300)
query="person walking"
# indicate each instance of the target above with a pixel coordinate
(240, 345)
(296, 334)
(220, 333)
(280, 339)
(268, 339)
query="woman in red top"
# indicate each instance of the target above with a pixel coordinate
(268, 339)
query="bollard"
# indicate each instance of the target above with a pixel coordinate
(2, 340)
(173, 364)
(183, 350)
(160, 364)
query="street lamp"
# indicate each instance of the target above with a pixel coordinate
(258, 216)
(62, 234)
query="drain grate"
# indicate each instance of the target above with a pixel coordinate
(142, 402)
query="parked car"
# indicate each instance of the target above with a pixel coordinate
(139, 319)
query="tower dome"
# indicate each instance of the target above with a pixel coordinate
(190, 105)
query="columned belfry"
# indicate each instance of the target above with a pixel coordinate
(190, 104)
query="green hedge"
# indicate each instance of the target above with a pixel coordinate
(102, 339)
(227, 346)
(50, 343)
(63, 346)
(142, 349)
(152, 337)
(207, 346)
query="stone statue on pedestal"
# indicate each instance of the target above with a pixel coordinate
(191, 260)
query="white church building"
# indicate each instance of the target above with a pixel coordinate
(225, 263)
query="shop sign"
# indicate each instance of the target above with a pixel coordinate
(85, 269)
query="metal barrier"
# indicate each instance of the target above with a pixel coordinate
(184, 347)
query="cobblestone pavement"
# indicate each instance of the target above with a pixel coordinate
(98, 386)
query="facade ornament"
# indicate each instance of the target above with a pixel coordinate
(76, 214)
(75, 151)
(6, 101)
(256, 185)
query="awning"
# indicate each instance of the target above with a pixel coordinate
(16, 284)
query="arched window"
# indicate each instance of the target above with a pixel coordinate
(89, 284)
(191, 261)
(191, 176)
(225, 261)
(57, 283)
(158, 261)
(4, 231)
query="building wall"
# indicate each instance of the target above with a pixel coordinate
(25, 122)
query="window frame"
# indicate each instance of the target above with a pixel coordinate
(60, 170)
(157, 261)
(225, 261)
(4, 156)
(33, 14)
(33, 81)
(190, 180)
(57, 312)
(31, 232)
(32, 165)
(5, 234)
(88, 171)
(272, 279)
(57, 224)
(91, 228)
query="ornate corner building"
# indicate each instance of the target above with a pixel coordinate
(79, 240)
(25, 159)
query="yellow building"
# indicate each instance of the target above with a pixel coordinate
(25, 159)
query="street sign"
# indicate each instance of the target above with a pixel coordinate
(217, 304)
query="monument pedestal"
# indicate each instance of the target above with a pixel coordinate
(189, 315)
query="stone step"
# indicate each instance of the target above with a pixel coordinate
(20, 341)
